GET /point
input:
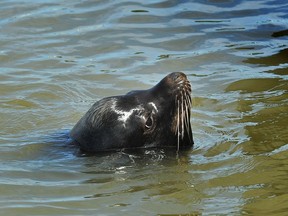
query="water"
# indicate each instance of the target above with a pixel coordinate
(58, 57)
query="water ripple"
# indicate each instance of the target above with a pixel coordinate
(58, 58)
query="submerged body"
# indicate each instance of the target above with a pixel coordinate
(157, 117)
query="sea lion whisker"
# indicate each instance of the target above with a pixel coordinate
(187, 120)
(187, 94)
(178, 123)
(176, 127)
(190, 100)
(182, 118)
(189, 87)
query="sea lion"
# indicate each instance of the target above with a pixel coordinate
(157, 117)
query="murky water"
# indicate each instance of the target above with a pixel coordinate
(58, 57)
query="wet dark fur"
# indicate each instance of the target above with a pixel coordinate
(157, 117)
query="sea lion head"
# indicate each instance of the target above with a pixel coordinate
(157, 117)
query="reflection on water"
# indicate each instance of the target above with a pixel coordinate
(263, 104)
(57, 58)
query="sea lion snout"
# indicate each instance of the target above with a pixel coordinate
(174, 83)
(176, 78)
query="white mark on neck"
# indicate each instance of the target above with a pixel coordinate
(123, 116)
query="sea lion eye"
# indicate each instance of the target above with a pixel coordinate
(149, 122)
